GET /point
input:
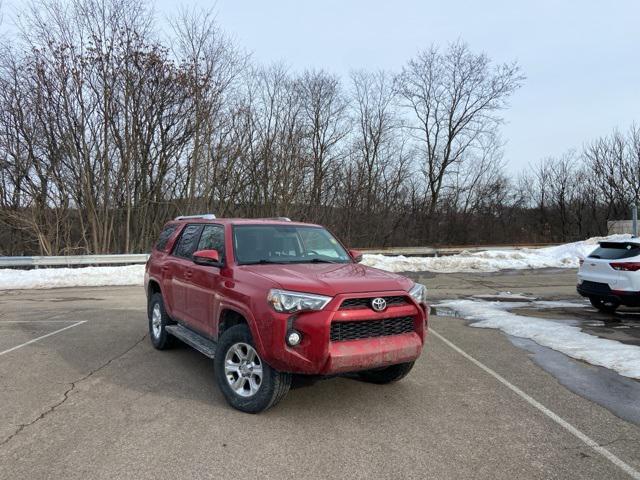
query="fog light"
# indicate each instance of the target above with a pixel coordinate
(294, 338)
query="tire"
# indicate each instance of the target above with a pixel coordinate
(160, 338)
(385, 375)
(603, 304)
(253, 392)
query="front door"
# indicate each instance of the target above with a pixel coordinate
(203, 296)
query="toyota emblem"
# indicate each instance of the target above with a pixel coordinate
(378, 304)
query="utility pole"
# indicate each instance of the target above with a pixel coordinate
(634, 219)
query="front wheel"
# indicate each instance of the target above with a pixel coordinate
(248, 383)
(387, 374)
(604, 304)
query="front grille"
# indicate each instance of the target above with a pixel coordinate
(341, 331)
(355, 303)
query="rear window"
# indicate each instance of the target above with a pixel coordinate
(165, 235)
(615, 251)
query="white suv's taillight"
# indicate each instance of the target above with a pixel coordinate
(626, 266)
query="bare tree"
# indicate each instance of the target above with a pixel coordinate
(455, 97)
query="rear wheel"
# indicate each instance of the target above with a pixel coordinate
(248, 383)
(604, 304)
(158, 320)
(387, 374)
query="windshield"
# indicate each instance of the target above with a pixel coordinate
(255, 244)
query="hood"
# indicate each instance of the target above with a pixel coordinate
(330, 278)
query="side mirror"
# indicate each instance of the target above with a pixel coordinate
(356, 255)
(206, 257)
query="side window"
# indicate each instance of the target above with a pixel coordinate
(165, 235)
(188, 241)
(212, 238)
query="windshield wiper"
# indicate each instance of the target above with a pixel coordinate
(264, 261)
(316, 260)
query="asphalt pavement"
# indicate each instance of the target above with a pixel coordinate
(84, 395)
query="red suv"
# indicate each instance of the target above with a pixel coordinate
(268, 298)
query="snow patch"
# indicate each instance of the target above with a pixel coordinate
(71, 277)
(555, 334)
(561, 256)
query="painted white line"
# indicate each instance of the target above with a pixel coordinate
(553, 416)
(41, 337)
(2, 322)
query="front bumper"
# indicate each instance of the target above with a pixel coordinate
(354, 355)
(317, 354)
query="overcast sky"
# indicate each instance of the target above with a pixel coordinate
(581, 58)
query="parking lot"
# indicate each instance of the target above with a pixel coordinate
(84, 395)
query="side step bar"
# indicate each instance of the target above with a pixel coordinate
(193, 339)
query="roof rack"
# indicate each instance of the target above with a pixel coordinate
(206, 216)
(282, 219)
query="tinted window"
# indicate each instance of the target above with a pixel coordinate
(286, 244)
(615, 251)
(212, 238)
(165, 235)
(188, 241)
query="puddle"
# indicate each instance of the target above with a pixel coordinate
(569, 327)
(618, 394)
(504, 297)
(525, 321)
(623, 326)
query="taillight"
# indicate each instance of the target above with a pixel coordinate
(581, 261)
(626, 266)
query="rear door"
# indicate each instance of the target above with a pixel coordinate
(159, 266)
(205, 285)
(181, 271)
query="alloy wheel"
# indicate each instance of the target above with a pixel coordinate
(243, 369)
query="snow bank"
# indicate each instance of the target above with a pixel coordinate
(572, 341)
(71, 277)
(561, 256)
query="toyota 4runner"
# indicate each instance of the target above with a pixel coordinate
(268, 298)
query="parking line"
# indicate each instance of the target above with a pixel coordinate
(2, 322)
(43, 336)
(553, 416)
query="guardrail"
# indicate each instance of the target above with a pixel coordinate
(73, 260)
(139, 258)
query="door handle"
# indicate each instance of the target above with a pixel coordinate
(188, 273)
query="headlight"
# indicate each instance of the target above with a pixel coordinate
(419, 293)
(284, 301)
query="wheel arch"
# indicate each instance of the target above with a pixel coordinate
(153, 286)
(231, 315)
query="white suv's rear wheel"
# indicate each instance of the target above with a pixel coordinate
(604, 304)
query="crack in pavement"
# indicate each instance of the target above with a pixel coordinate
(606, 444)
(65, 395)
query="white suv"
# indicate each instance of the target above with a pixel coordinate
(610, 275)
